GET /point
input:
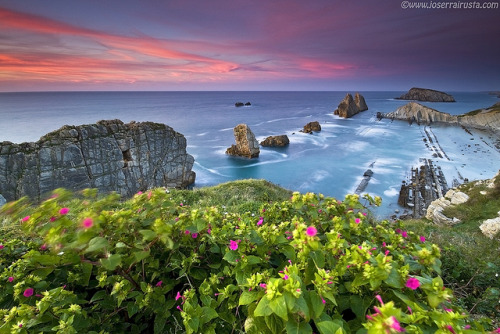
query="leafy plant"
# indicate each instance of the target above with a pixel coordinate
(153, 264)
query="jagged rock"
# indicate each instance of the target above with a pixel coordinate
(246, 144)
(426, 95)
(311, 126)
(349, 107)
(109, 155)
(491, 227)
(435, 209)
(276, 141)
(456, 197)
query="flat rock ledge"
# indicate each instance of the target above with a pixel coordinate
(246, 144)
(108, 155)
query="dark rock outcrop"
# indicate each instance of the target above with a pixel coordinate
(246, 144)
(426, 95)
(349, 106)
(311, 127)
(276, 141)
(109, 155)
(241, 104)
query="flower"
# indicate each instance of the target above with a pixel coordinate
(63, 211)
(194, 235)
(186, 232)
(450, 328)
(10, 279)
(285, 277)
(263, 285)
(358, 220)
(87, 223)
(159, 283)
(379, 298)
(233, 245)
(178, 295)
(25, 219)
(28, 292)
(261, 220)
(394, 323)
(404, 234)
(2, 246)
(209, 231)
(412, 283)
(323, 301)
(422, 238)
(311, 231)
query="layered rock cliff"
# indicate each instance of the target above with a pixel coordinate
(426, 95)
(486, 119)
(246, 144)
(109, 155)
(349, 107)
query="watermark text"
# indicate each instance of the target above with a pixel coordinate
(449, 5)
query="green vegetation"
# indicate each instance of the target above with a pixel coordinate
(471, 261)
(493, 109)
(241, 257)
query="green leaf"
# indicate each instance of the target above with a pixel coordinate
(87, 272)
(274, 323)
(263, 308)
(160, 323)
(318, 258)
(148, 235)
(96, 244)
(278, 306)
(252, 259)
(327, 327)
(42, 272)
(207, 314)
(132, 309)
(112, 262)
(99, 295)
(315, 304)
(141, 255)
(247, 297)
(394, 279)
(46, 260)
(293, 327)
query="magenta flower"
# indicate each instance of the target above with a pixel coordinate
(404, 234)
(422, 238)
(209, 231)
(323, 301)
(311, 231)
(233, 245)
(2, 246)
(394, 323)
(358, 220)
(52, 219)
(87, 223)
(412, 283)
(159, 283)
(43, 247)
(25, 219)
(63, 211)
(261, 220)
(178, 295)
(379, 298)
(10, 279)
(28, 292)
(194, 235)
(285, 277)
(186, 232)
(263, 285)
(450, 328)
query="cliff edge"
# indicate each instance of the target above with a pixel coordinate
(108, 155)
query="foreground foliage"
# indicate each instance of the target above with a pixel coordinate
(309, 264)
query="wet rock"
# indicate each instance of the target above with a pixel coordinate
(276, 141)
(311, 127)
(246, 144)
(350, 106)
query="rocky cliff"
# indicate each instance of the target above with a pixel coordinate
(109, 155)
(349, 107)
(246, 144)
(486, 119)
(426, 95)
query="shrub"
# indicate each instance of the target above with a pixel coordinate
(309, 264)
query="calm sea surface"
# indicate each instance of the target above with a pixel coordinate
(331, 162)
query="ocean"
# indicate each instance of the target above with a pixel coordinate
(331, 162)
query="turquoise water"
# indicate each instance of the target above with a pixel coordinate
(331, 162)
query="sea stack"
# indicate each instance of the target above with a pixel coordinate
(311, 127)
(276, 141)
(426, 95)
(246, 144)
(108, 155)
(350, 106)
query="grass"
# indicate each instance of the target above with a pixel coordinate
(471, 261)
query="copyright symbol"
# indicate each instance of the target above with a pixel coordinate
(404, 4)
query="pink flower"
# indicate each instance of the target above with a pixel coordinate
(285, 277)
(52, 219)
(379, 299)
(412, 283)
(28, 292)
(404, 234)
(25, 219)
(209, 231)
(63, 211)
(450, 328)
(87, 223)
(394, 323)
(178, 295)
(10, 279)
(233, 245)
(311, 231)
(43, 247)
(323, 301)
(194, 235)
(186, 232)
(422, 238)
(358, 220)
(261, 220)
(139, 193)
(263, 285)
(2, 246)
(159, 283)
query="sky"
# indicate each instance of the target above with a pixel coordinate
(173, 45)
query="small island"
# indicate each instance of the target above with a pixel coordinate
(426, 95)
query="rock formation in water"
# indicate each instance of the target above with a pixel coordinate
(276, 141)
(246, 144)
(109, 155)
(349, 107)
(311, 127)
(426, 95)
(486, 119)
